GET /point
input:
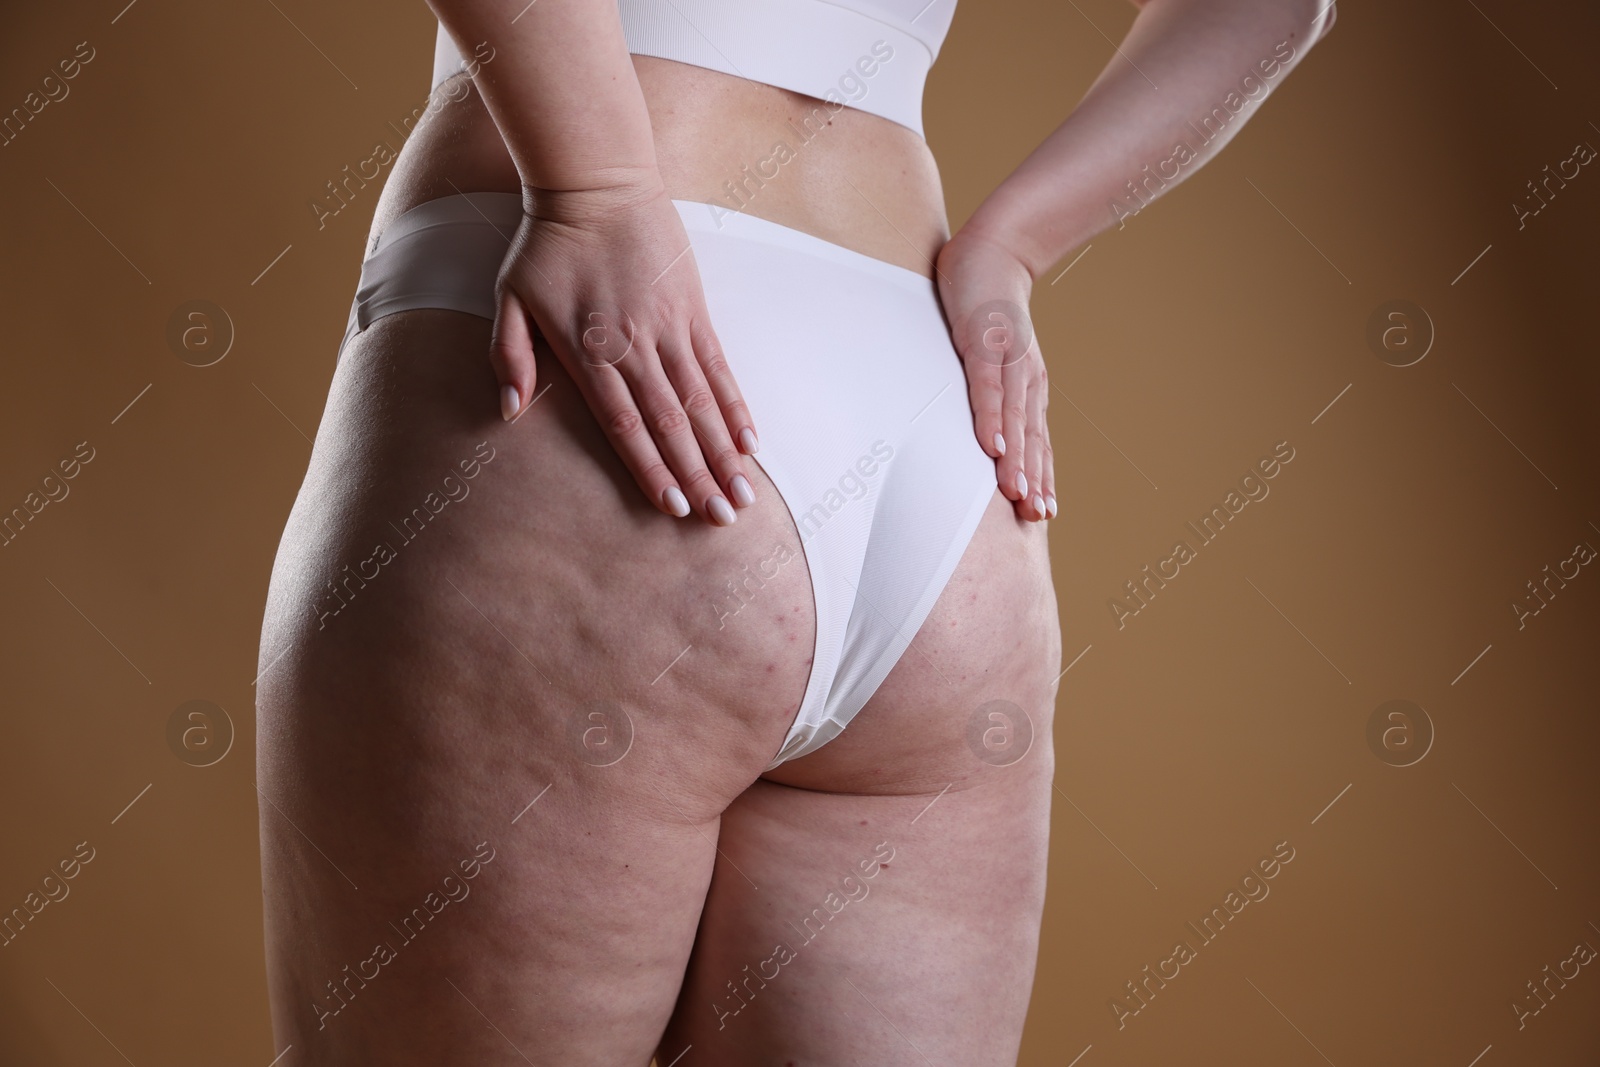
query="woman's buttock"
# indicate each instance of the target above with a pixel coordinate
(448, 574)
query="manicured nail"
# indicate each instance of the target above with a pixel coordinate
(1022, 485)
(1038, 506)
(743, 494)
(675, 501)
(721, 511)
(510, 401)
(1050, 507)
(747, 441)
(1000, 444)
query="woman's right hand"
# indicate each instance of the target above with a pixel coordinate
(605, 276)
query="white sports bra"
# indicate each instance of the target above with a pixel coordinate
(873, 55)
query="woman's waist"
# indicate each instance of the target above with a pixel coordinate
(850, 177)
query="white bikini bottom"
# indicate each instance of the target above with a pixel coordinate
(856, 390)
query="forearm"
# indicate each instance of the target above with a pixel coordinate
(1190, 74)
(560, 87)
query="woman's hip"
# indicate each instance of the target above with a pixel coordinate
(446, 572)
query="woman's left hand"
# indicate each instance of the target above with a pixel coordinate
(985, 290)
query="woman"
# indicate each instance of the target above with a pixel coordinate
(561, 645)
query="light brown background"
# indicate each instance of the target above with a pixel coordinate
(1225, 718)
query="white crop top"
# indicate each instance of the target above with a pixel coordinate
(873, 55)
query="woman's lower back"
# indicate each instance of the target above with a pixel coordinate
(849, 177)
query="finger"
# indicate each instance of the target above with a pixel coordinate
(984, 388)
(736, 417)
(611, 400)
(511, 354)
(673, 436)
(706, 420)
(1034, 465)
(1013, 480)
(1048, 458)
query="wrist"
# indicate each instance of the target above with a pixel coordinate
(1000, 257)
(991, 226)
(593, 196)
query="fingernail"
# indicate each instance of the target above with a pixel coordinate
(1000, 444)
(675, 501)
(747, 441)
(1038, 506)
(721, 511)
(743, 494)
(1022, 485)
(510, 401)
(1050, 507)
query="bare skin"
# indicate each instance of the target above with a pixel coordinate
(455, 688)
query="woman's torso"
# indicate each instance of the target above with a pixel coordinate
(850, 177)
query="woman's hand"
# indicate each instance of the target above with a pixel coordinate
(985, 291)
(606, 276)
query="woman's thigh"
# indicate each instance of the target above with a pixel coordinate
(499, 718)
(901, 867)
